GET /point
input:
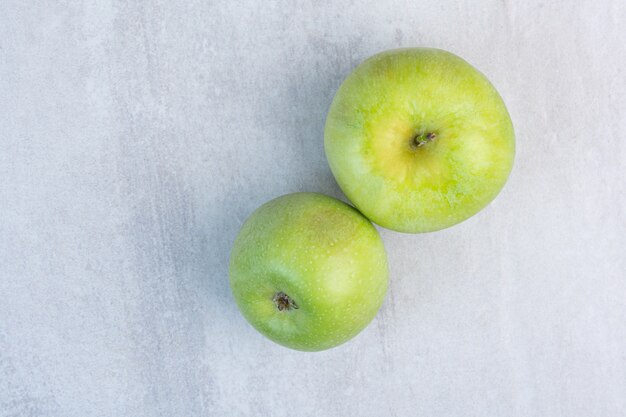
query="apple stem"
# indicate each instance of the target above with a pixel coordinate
(422, 139)
(284, 302)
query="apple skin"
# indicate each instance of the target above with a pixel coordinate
(378, 145)
(320, 252)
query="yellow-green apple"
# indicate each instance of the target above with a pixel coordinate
(308, 271)
(418, 139)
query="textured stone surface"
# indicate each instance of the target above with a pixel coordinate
(136, 136)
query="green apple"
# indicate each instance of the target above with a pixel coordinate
(308, 271)
(418, 139)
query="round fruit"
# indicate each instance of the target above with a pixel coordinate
(308, 271)
(418, 139)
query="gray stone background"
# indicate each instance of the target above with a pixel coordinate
(136, 137)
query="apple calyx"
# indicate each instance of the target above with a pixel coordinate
(284, 302)
(422, 139)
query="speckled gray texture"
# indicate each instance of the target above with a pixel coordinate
(136, 136)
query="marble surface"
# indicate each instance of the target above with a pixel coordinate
(136, 136)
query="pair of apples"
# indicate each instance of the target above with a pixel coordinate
(418, 140)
